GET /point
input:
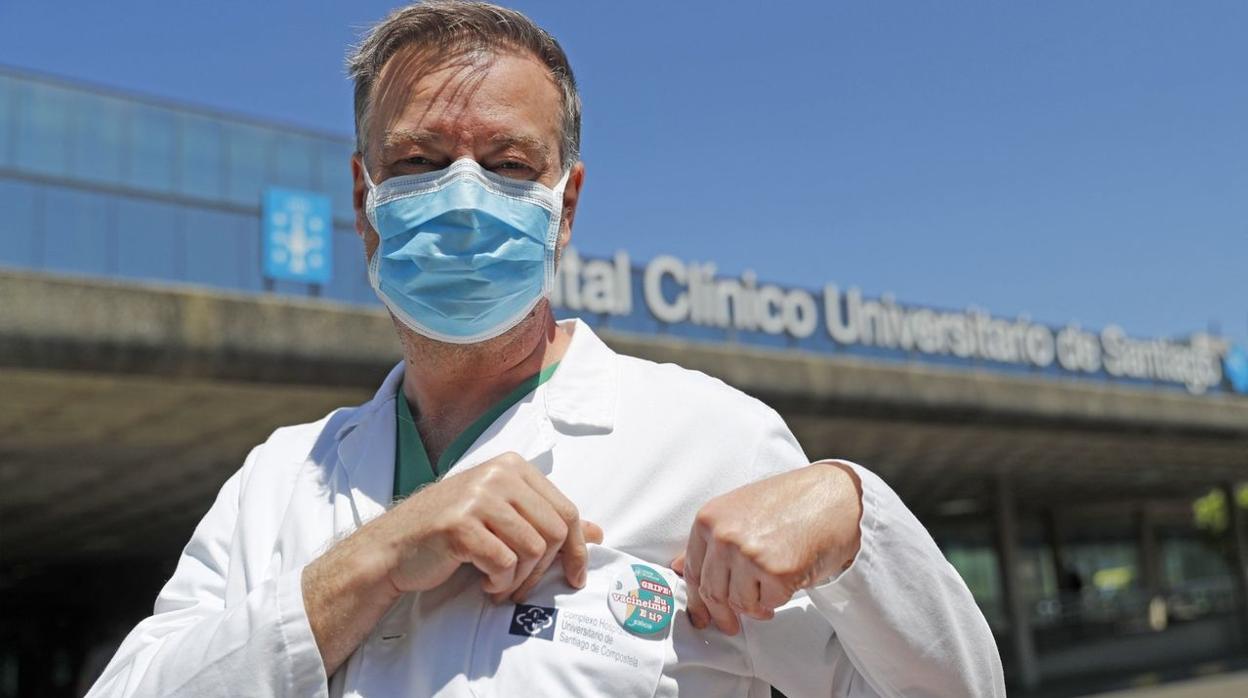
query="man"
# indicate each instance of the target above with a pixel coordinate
(365, 554)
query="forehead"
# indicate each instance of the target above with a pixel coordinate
(473, 96)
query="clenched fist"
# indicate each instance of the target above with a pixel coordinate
(502, 517)
(752, 548)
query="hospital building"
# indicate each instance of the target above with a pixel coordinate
(177, 282)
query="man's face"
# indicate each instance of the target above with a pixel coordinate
(501, 109)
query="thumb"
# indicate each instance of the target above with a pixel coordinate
(678, 565)
(591, 531)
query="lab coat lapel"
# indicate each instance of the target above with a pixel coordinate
(366, 460)
(580, 398)
(524, 428)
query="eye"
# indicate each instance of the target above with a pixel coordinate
(416, 164)
(514, 168)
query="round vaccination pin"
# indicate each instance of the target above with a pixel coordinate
(641, 601)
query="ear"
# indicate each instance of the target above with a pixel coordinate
(359, 194)
(571, 197)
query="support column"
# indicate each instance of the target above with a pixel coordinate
(1239, 550)
(1016, 613)
(1150, 559)
(1053, 537)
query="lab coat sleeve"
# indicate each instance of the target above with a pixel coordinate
(902, 614)
(197, 644)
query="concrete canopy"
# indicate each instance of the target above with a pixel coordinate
(125, 406)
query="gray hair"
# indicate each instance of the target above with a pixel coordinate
(454, 27)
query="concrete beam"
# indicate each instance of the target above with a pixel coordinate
(99, 325)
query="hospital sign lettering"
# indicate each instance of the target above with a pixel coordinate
(690, 299)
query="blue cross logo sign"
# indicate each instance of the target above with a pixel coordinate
(297, 229)
(1235, 366)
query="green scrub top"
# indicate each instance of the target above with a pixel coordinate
(412, 468)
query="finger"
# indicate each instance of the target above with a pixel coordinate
(575, 556)
(696, 608)
(593, 532)
(714, 590)
(695, 551)
(491, 556)
(540, 514)
(543, 486)
(539, 571)
(745, 589)
(773, 594)
(525, 542)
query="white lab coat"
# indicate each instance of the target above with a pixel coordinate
(639, 447)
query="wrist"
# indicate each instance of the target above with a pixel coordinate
(371, 561)
(845, 489)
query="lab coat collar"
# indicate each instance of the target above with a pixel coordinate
(580, 397)
(583, 392)
(368, 437)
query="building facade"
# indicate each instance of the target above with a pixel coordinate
(157, 317)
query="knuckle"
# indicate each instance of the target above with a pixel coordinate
(504, 559)
(532, 547)
(493, 474)
(557, 533)
(749, 546)
(705, 519)
(457, 547)
(732, 536)
(693, 576)
(457, 526)
(710, 595)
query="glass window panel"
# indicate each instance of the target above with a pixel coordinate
(7, 108)
(294, 161)
(43, 128)
(76, 234)
(349, 282)
(147, 240)
(247, 150)
(221, 249)
(211, 248)
(247, 228)
(201, 161)
(18, 232)
(336, 178)
(152, 136)
(99, 138)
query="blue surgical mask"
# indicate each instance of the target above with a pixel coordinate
(465, 254)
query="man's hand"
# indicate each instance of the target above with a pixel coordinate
(503, 517)
(751, 549)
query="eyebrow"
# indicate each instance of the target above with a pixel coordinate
(406, 136)
(400, 137)
(529, 144)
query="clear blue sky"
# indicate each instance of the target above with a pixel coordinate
(1073, 160)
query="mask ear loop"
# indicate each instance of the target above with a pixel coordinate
(369, 196)
(548, 282)
(367, 180)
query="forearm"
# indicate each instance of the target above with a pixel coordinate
(902, 613)
(346, 592)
